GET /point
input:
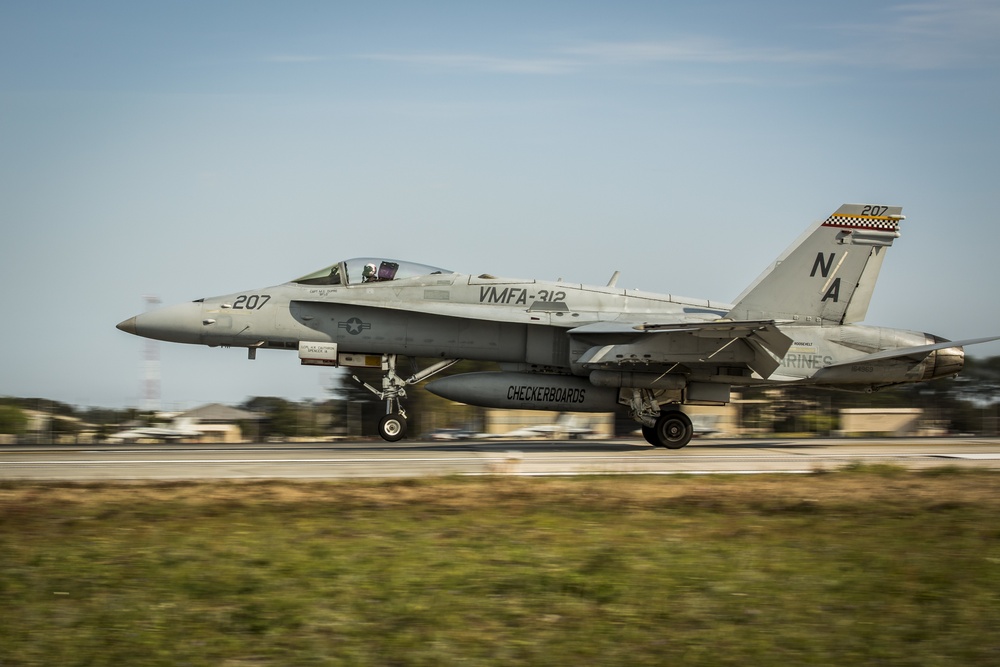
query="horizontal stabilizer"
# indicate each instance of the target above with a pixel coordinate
(914, 354)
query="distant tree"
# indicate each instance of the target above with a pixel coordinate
(281, 415)
(41, 405)
(966, 403)
(262, 404)
(65, 426)
(363, 408)
(332, 417)
(979, 381)
(12, 420)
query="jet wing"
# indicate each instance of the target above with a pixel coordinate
(755, 344)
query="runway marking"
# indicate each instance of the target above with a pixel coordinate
(970, 457)
(664, 455)
(258, 461)
(506, 459)
(471, 459)
(644, 472)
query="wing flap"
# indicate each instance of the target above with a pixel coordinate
(758, 345)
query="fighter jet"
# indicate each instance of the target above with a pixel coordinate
(178, 430)
(570, 347)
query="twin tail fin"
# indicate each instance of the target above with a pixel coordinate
(828, 275)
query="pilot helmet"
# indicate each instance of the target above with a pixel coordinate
(369, 273)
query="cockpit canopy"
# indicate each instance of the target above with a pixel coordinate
(367, 270)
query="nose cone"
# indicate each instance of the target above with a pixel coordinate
(181, 323)
(128, 326)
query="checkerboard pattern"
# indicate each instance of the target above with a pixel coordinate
(862, 222)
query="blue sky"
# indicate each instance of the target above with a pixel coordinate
(187, 149)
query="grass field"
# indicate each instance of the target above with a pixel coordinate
(867, 566)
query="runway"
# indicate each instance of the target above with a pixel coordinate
(376, 459)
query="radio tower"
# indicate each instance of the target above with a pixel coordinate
(151, 367)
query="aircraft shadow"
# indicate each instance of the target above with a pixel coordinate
(576, 445)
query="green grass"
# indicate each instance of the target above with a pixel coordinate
(845, 568)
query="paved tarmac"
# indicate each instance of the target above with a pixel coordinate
(377, 459)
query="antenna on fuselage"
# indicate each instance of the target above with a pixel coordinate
(614, 279)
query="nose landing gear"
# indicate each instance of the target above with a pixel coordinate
(392, 427)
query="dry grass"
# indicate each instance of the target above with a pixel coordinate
(871, 565)
(875, 485)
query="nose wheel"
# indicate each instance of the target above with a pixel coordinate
(392, 427)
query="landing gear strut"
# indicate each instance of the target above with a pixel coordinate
(668, 428)
(392, 427)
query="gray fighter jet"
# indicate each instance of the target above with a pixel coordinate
(572, 347)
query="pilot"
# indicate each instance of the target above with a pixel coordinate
(369, 274)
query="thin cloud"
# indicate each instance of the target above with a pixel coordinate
(478, 63)
(687, 50)
(934, 35)
(293, 58)
(955, 20)
(604, 54)
(939, 35)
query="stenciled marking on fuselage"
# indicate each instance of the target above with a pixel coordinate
(251, 301)
(517, 295)
(810, 361)
(536, 394)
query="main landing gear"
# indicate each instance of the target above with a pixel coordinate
(392, 427)
(668, 428)
(673, 430)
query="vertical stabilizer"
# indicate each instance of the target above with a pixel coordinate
(829, 274)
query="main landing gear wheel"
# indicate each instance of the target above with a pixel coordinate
(649, 433)
(673, 429)
(392, 427)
